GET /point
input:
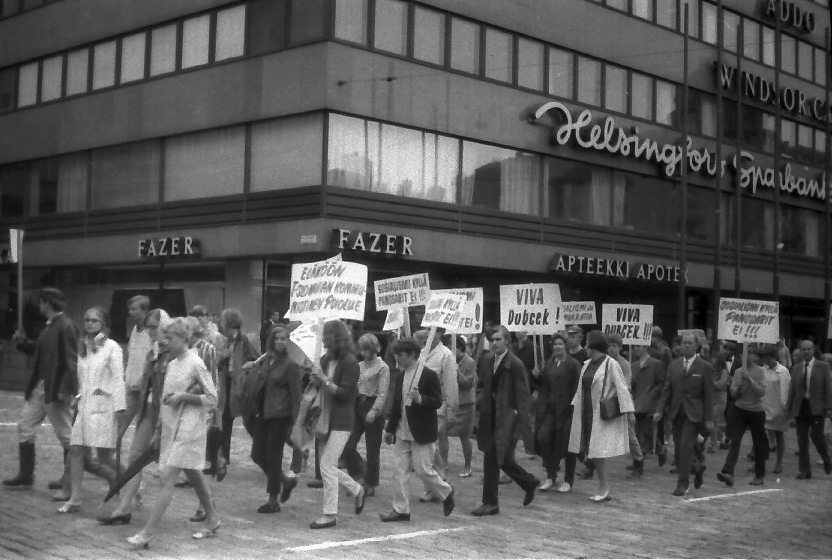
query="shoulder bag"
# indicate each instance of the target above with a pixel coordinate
(610, 409)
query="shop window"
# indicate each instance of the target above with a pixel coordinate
(286, 153)
(308, 20)
(731, 31)
(163, 50)
(205, 164)
(230, 37)
(589, 81)
(615, 88)
(500, 178)
(27, 84)
(693, 16)
(701, 222)
(77, 71)
(820, 67)
(642, 203)
(820, 148)
(13, 178)
(391, 26)
(58, 184)
(132, 58)
(643, 9)
(709, 23)
(666, 94)
(104, 65)
(666, 14)
(52, 78)
(428, 35)
(578, 192)
(465, 46)
(751, 39)
(7, 86)
(125, 175)
(788, 48)
(768, 122)
(265, 26)
(805, 60)
(498, 55)
(800, 230)
(195, 39)
(561, 74)
(530, 64)
(768, 46)
(351, 21)
(642, 96)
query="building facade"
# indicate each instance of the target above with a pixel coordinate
(195, 150)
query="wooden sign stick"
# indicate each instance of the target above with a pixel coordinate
(406, 325)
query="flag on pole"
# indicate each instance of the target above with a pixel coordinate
(15, 241)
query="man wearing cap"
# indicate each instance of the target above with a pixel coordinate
(575, 336)
(614, 343)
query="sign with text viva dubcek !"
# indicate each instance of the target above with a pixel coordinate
(634, 323)
(470, 321)
(331, 289)
(749, 320)
(532, 308)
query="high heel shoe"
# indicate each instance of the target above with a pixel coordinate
(600, 498)
(139, 541)
(207, 532)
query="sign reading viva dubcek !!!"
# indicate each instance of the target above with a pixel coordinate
(331, 289)
(633, 323)
(532, 308)
(749, 320)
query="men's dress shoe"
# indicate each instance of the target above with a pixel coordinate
(288, 486)
(804, 476)
(60, 498)
(505, 480)
(586, 474)
(199, 516)
(486, 509)
(564, 488)
(631, 466)
(637, 469)
(726, 478)
(222, 468)
(680, 491)
(530, 492)
(359, 501)
(116, 519)
(723, 445)
(674, 470)
(315, 483)
(54, 484)
(697, 478)
(369, 491)
(756, 482)
(827, 467)
(778, 468)
(448, 504)
(429, 497)
(269, 507)
(393, 516)
(662, 455)
(322, 523)
(547, 485)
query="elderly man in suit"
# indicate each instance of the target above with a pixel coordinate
(52, 386)
(504, 402)
(810, 399)
(687, 397)
(648, 378)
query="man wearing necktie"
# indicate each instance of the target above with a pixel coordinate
(810, 398)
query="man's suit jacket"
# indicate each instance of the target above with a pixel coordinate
(692, 391)
(421, 417)
(56, 360)
(647, 384)
(820, 391)
(510, 405)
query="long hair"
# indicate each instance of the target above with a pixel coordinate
(269, 349)
(104, 317)
(342, 340)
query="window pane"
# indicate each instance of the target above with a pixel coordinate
(286, 153)
(615, 98)
(708, 115)
(53, 69)
(560, 73)
(732, 24)
(352, 152)
(643, 8)
(768, 46)
(205, 164)
(805, 60)
(441, 168)
(125, 175)
(58, 184)
(788, 137)
(429, 35)
(163, 50)
(578, 192)
(642, 97)
(530, 64)
(27, 84)
(751, 39)
(820, 67)
(788, 46)
(351, 20)
(265, 25)
(805, 149)
(132, 58)
(77, 65)
(693, 16)
(643, 203)
(498, 55)
(666, 14)
(465, 45)
(768, 132)
(500, 179)
(391, 26)
(104, 65)
(308, 19)
(7, 85)
(231, 29)
(13, 181)
(589, 81)
(800, 230)
(195, 39)
(666, 102)
(709, 23)
(418, 164)
(701, 224)
(820, 147)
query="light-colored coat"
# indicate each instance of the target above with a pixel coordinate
(609, 437)
(101, 390)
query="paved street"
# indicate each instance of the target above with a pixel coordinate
(785, 519)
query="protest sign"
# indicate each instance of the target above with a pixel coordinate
(394, 320)
(749, 320)
(533, 308)
(470, 321)
(443, 310)
(578, 313)
(331, 289)
(304, 338)
(403, 291)
(634, 323)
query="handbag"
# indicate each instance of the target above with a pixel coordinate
(610, 408)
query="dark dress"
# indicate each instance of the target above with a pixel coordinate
(554, 416)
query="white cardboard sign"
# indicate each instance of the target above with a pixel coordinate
(578, 313)
(402, 291)
(443, 310)
(533, 308)
(749, 320)
(331, 289)
(394, 320)
(470, 322)
(634, 323)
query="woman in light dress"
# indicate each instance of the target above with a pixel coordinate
(774, 401)
(101, 395)
(181, 433)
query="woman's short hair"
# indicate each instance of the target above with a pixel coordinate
(141, 300)
(279, 328)
(196, 327)
(231, 318)
(559, 336)
(178, 326)
(407, 346)
(369, 342)
(341, 338)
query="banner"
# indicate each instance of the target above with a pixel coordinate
(394, 320)
(749, 320)
(443, 310)
(403, 291)
(331, 289)
(578, 313)
(533, 308)
(15, 240)
(634, 323)
(470, 322)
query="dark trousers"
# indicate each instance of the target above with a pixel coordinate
(227, 424)
(644, 432)
(809, 425)
(269, 437)
(687, 451)
(357, 467)
(491, 474)
(756, 422)
(552, 442)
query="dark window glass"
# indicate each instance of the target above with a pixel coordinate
(12, 189)
(125, 175)
(800, 231)
(694, 114)
(643, 203)
(58, 184)
(500, 178)
(265, 26)
(308, 20)
(753, 131)
(578, 192)
(757, 222)
(701, 224)
(7, 89)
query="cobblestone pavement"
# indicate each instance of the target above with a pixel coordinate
(785, 519)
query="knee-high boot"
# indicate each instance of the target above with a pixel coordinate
(26, 475)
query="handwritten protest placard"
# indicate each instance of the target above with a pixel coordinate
(443, 310)
(578, 312)
(749, 320)
(533, 308)
(403, 291)
(470, 321)
(634, 323)
(394, 320)
(331, 289)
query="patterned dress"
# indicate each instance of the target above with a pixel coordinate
(101, 390)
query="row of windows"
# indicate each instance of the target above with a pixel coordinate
(797, 57)
(12, 7)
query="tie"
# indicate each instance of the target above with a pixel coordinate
(687, 365)
(806, 377)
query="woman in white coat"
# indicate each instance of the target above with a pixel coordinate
(591, 436)
(101, 395)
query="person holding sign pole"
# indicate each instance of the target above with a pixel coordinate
(687, 399)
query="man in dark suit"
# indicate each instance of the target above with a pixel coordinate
(687, 397)
(412, 424)
(504, 401)
(52, 386)
(649, 376)
(810, 399)
(266, 328)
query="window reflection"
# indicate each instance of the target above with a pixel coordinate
(499, 178)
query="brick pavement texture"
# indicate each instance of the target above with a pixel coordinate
(643, 520)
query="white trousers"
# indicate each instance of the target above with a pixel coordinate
(35, 410)
(332, 475)
(419, 457)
